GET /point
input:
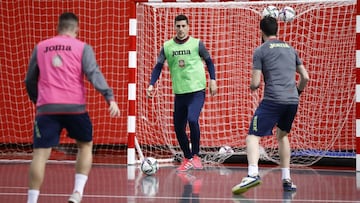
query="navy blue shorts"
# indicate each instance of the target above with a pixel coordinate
(270, 114)
(47, 129)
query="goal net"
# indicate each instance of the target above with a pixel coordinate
(103, 25)
(323, 32)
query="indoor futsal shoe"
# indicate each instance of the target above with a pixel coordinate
(196, 161)
(75, 198)
(186, 165)
(246, 183)
(288, 185)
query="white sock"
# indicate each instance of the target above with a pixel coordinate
(285, 173)
(33, 196)
(253, 170)
(80, 181)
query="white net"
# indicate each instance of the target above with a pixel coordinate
(322, 32)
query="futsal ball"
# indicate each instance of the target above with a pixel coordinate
(226, 150)
(149, 166)
(272, 11)
(287, 14)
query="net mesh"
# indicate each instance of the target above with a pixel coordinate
(323, 34)
(104, 25)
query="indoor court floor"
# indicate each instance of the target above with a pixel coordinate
(116, 183)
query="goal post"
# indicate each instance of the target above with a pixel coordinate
(357, 89)
(323, 34)
(127, 36)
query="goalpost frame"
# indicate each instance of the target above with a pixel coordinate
(132, 66)
(357, 90)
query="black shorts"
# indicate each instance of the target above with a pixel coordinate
(47, 129)
(270, 114)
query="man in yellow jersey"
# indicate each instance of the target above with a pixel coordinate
(185, 55)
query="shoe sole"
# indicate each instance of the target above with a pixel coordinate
(239, 190)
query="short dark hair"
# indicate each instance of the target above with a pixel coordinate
(67, 20)
(269, 25)
(182, 17)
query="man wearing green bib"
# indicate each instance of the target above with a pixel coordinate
(185, 55)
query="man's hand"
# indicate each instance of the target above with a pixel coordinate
(150, 91)
(114, 109)
(213, 87)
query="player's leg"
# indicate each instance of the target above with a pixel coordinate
(282, 131)
(37, 167)
(284, 148)
(253, 177)
(79, 127)
(284, 154)
(84, 157)
(180, 120)
(82, 167)
(253, 154)
(262, 123)
(46, 135)
(196, 103)
(180, 115)
(37, 172)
